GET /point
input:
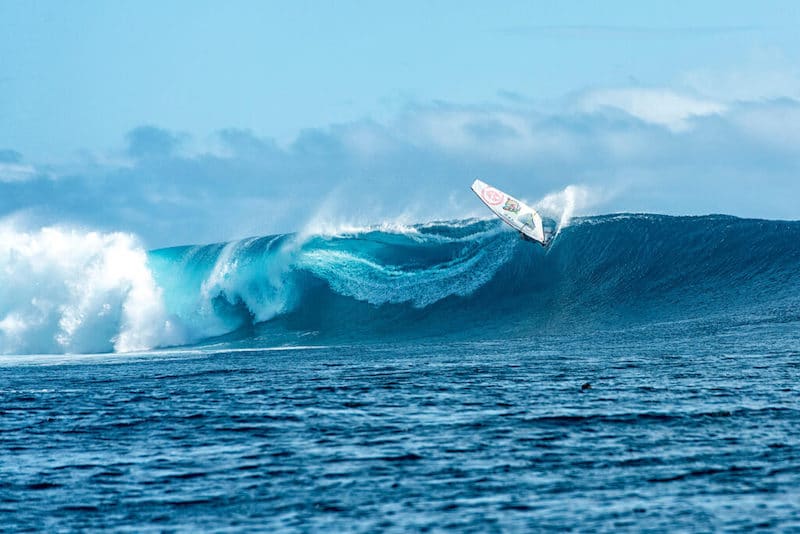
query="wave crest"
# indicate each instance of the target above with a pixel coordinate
(92, 292)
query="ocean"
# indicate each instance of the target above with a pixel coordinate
(641, 373)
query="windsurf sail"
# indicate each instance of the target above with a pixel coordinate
(513, 212)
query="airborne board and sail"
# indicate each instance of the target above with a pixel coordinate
(514, 213)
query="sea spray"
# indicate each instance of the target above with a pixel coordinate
(563, 205)
(67, 290)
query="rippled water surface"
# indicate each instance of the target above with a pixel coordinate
(685, 426)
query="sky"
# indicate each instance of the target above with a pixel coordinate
(191, 122)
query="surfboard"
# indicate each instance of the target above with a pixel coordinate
(513, 212)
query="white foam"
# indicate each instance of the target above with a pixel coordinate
(68, 290)
(336, 227)
(377, 283)
(260, 282)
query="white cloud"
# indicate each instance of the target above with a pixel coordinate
(16, 172)
(500, 135)
(662, 107)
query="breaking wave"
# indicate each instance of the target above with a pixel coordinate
(66, 291)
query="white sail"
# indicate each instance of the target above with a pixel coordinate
(512, 211)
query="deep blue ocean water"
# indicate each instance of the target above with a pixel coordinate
(641, 374)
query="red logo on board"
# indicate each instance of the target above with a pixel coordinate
(492, 196)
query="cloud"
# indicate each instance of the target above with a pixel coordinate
(656, 106)
(501, 135)
(245, 144)
(12, 169)
(10, 156)
(635, 149)
(10, 172)
(152, 142)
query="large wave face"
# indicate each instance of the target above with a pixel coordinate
(64, 292)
